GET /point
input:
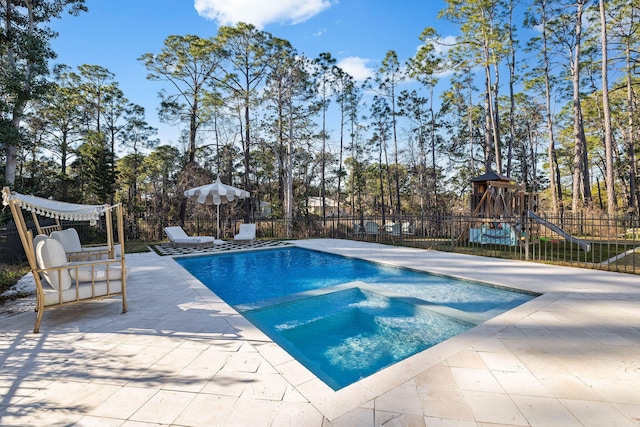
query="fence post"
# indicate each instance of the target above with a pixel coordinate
(527, 223)
(453, 233)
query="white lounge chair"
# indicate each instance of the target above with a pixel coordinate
(178, 238)
(246, 234)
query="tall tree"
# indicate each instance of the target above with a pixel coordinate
(61, 110)
(188, 63)
(511, 62)
(608, 137)
(324, 73)
(136, 135)
(581, 181)
(381, 117)
(385, 84)
(246, 52)
(289, 94)
(414, 107)
(425, 66)
(624, 30)
(94, 168)
(25, 53)
(346, 96)
(539, 17)
(482, 42)
(94, 85)
(565, 37)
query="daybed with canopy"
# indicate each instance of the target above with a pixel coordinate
(64, 271)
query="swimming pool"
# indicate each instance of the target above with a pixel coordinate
(346, 318)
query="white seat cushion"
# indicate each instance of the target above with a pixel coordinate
(98, 273)
(84, 291)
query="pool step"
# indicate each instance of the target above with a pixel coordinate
(474, 319)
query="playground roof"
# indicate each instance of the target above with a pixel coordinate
(491, 176)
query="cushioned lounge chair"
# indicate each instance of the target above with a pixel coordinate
(178, 238)
(246, 234)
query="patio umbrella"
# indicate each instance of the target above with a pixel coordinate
(216, 194)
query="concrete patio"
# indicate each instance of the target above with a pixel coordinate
(183, 357)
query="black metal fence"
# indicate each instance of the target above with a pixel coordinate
(592, 241)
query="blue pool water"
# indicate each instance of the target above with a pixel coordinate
(347, 335)
(250, 277)
(343, 333)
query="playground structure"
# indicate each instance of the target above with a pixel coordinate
(504, 214)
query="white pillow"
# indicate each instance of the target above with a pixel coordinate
(98, 273)
(69, 239)
(51, 254)
(36, 240)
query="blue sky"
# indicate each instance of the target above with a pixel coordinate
(114, 33)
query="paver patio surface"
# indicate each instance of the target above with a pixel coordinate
(180, 356)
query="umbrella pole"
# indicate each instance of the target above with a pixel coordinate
(218, 217)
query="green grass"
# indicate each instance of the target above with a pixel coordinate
(139, 246)
(547, 251)
(628, 264)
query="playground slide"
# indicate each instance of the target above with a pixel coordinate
(585, 246)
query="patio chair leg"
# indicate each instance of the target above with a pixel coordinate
(36, 328)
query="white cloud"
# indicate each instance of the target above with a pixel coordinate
(260, 12)
(444, 45)
(356, 67)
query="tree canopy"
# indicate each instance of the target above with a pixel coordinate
(290, 128)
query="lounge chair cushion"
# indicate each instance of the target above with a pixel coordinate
(247, 233)
(69, 239)
(50, 254)
(178, 236)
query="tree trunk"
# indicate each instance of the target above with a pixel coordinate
(633, 195)
(512, 99)
(488, 154)
(288, 173)
(608, 139)
(581, 185)
(248, 216)
(554, 170)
